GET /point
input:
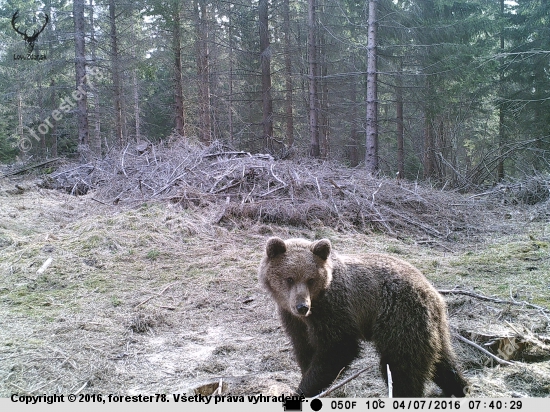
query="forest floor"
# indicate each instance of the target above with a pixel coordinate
(154, 297)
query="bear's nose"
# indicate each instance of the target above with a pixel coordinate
(302, 308)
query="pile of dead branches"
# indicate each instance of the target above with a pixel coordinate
(529, 190)
(255, 186)
(532, 191)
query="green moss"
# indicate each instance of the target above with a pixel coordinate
(395, 250)
(509, 264)
(5, 241)
(92, 242)
(324, 233)
(98, 283)
(39, 302)
(153, 254)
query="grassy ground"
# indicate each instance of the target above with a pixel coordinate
(157, 298)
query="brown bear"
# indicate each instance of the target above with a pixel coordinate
(328, 303)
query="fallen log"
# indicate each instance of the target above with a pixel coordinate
(31, 167)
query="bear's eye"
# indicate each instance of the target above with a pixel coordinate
(310, 282)
(289, 281)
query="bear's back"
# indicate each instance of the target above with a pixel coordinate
(368, 288)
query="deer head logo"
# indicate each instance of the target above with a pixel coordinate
(29, 39)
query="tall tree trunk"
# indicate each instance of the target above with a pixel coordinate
(443, 147)
(540, 115)
(501, 138)
(136, 107)
(23, 145)
(80, 68)
(354, 132)
(312, 77)
(178, 72)
(265, 61)
(203, 70)
(115, 70)
(40, 99)
(400, 128)
(53, 132)
(96, 137)
(323, 101)
(53, 103)
(231, 53)
(429, 143)
(288, 75)
(500, 164)
(371, 146)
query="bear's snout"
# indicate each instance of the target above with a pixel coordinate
(300, 299)
(302, 309)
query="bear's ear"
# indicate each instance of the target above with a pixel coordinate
(275, 246)
(321, 248)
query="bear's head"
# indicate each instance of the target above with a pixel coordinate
(296, 272)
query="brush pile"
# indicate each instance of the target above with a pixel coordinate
(256, 187)
(529, 190)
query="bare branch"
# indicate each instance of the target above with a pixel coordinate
(334, 387)
(485, 351)
(490, 299)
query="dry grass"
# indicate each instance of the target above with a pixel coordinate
(158, 297)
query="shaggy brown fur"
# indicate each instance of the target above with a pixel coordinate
(329, 302)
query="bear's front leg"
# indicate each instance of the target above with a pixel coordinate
(297, 330)
(326, 363)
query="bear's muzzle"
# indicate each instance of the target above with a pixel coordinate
(302, 309)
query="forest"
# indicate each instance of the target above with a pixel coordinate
(150, 148)
(451, 91)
